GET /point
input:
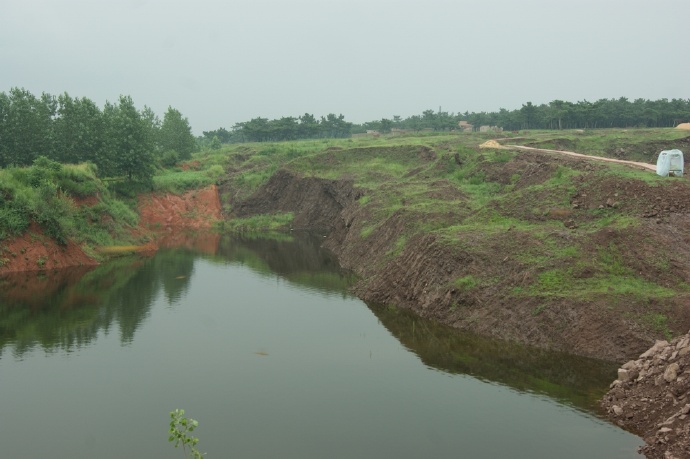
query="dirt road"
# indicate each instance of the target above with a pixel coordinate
(651, 167)
(645, 166)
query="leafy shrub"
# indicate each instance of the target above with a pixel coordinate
(12, 221)
(169, 158)
(121, 213)
(215, 172)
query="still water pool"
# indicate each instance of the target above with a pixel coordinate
(260, 341)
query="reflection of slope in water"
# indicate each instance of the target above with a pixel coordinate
(205, 242)
(31, 288)
(299, 260)
(576, 381)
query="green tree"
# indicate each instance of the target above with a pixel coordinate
(308, 126)
(386, 126)
(26, 127)
(128, 150)
(5, 149)
(176, 135)
(78, 130)
(529, 115)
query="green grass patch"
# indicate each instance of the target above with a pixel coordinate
(45, 193)
(658, 323)
(178, 181)
(466, 283)
(398, 247)
(367, 231)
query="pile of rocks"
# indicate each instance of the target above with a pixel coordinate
(651, 398)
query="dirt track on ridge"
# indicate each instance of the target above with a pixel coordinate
(650, 167)
(495, 144)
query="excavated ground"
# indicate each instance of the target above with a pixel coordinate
(33, 251)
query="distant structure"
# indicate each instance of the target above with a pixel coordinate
(369, 133)
(465, 126)
(490, 129)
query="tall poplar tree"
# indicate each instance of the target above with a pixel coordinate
(128, 149)
(176, 135)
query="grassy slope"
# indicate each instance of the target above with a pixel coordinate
(68, 202)
(486, 202)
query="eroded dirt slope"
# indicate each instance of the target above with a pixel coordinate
(34, 251)
(193, 209)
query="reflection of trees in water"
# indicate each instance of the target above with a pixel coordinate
(66, 309)
(74, 305)
(577, 381)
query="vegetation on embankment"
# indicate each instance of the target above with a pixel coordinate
(66, 201)
(558, 252)
(53, 215)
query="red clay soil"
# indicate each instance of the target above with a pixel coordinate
(34, 251)
(194, 209)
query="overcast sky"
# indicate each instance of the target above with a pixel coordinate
(222, 62)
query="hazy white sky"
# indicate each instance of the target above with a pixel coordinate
(221, 62)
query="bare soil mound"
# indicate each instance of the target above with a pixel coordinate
(683, 126)
(316, 203)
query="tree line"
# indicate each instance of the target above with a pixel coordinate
(604, 113)
(557, 114)
(306, 126)
(121, 140)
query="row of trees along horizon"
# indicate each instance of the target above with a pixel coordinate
(558, 114)
(123, 141)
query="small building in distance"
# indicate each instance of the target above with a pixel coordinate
(490, 129)
(465, 126)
